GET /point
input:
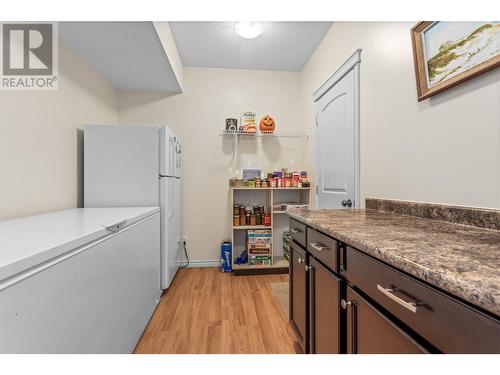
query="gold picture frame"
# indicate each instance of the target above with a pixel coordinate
(441, 71)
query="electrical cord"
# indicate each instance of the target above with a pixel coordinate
(186, 253)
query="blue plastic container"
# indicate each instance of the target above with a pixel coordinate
(226, 257)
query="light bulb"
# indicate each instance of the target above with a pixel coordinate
(248, 30)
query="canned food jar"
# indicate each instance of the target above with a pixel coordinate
(236, 220)
(267, 219)
(236, 209)
(258, 218)
(253, 219)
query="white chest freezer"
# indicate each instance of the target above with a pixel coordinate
(78, 281)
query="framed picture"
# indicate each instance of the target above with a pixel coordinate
(448, 53)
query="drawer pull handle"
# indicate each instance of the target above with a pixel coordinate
(300, 260)
(318, 246)
(412, 306)
(296, 230)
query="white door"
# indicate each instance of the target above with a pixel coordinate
(335, 144)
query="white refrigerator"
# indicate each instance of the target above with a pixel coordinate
(132, 166)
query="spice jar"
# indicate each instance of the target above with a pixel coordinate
(247, 218)
(253, 219)
(243, 220)
(236, 220)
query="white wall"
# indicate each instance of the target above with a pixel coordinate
(444, 150)
(197, 116)
(40, 146)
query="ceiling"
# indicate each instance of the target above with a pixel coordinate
(281, 46)
(128, 54)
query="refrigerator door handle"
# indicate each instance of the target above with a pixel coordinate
(171, 198)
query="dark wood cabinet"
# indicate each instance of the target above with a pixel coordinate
(450, 325)
(343, 300)
(299, 294)
(370, 332)
(325, 292)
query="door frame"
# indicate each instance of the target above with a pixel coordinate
(352, 63)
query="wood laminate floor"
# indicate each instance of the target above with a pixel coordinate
(206, 311)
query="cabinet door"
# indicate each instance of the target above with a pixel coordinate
(370, 332)
(325, 310)
(298, 293)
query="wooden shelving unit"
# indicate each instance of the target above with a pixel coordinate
(279, 224)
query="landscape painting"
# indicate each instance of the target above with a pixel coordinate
(448, 53)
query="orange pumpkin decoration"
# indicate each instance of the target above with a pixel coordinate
(267, 124)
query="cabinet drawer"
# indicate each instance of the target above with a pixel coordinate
(448, 324)
(298, 232)
(323, 248)
(370, 332)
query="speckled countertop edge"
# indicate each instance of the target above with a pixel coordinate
(478, 288)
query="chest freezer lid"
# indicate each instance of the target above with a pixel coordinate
(30, 241)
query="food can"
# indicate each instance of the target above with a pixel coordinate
(258, 218)
(267, 219)
(253, 219)
(231, 124)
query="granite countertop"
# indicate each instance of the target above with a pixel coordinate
(460, 259)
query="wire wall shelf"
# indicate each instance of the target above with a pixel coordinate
(237, 133)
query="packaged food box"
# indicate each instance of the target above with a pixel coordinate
(259, 251)
(260, 260)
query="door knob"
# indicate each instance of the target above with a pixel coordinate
(345, 303)
(347, 203)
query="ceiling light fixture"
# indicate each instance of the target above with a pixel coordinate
(248, 30)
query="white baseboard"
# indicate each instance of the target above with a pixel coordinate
(204, 263)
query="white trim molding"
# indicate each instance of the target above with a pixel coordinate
(352, 63)
(203, 263)
(337, 76)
